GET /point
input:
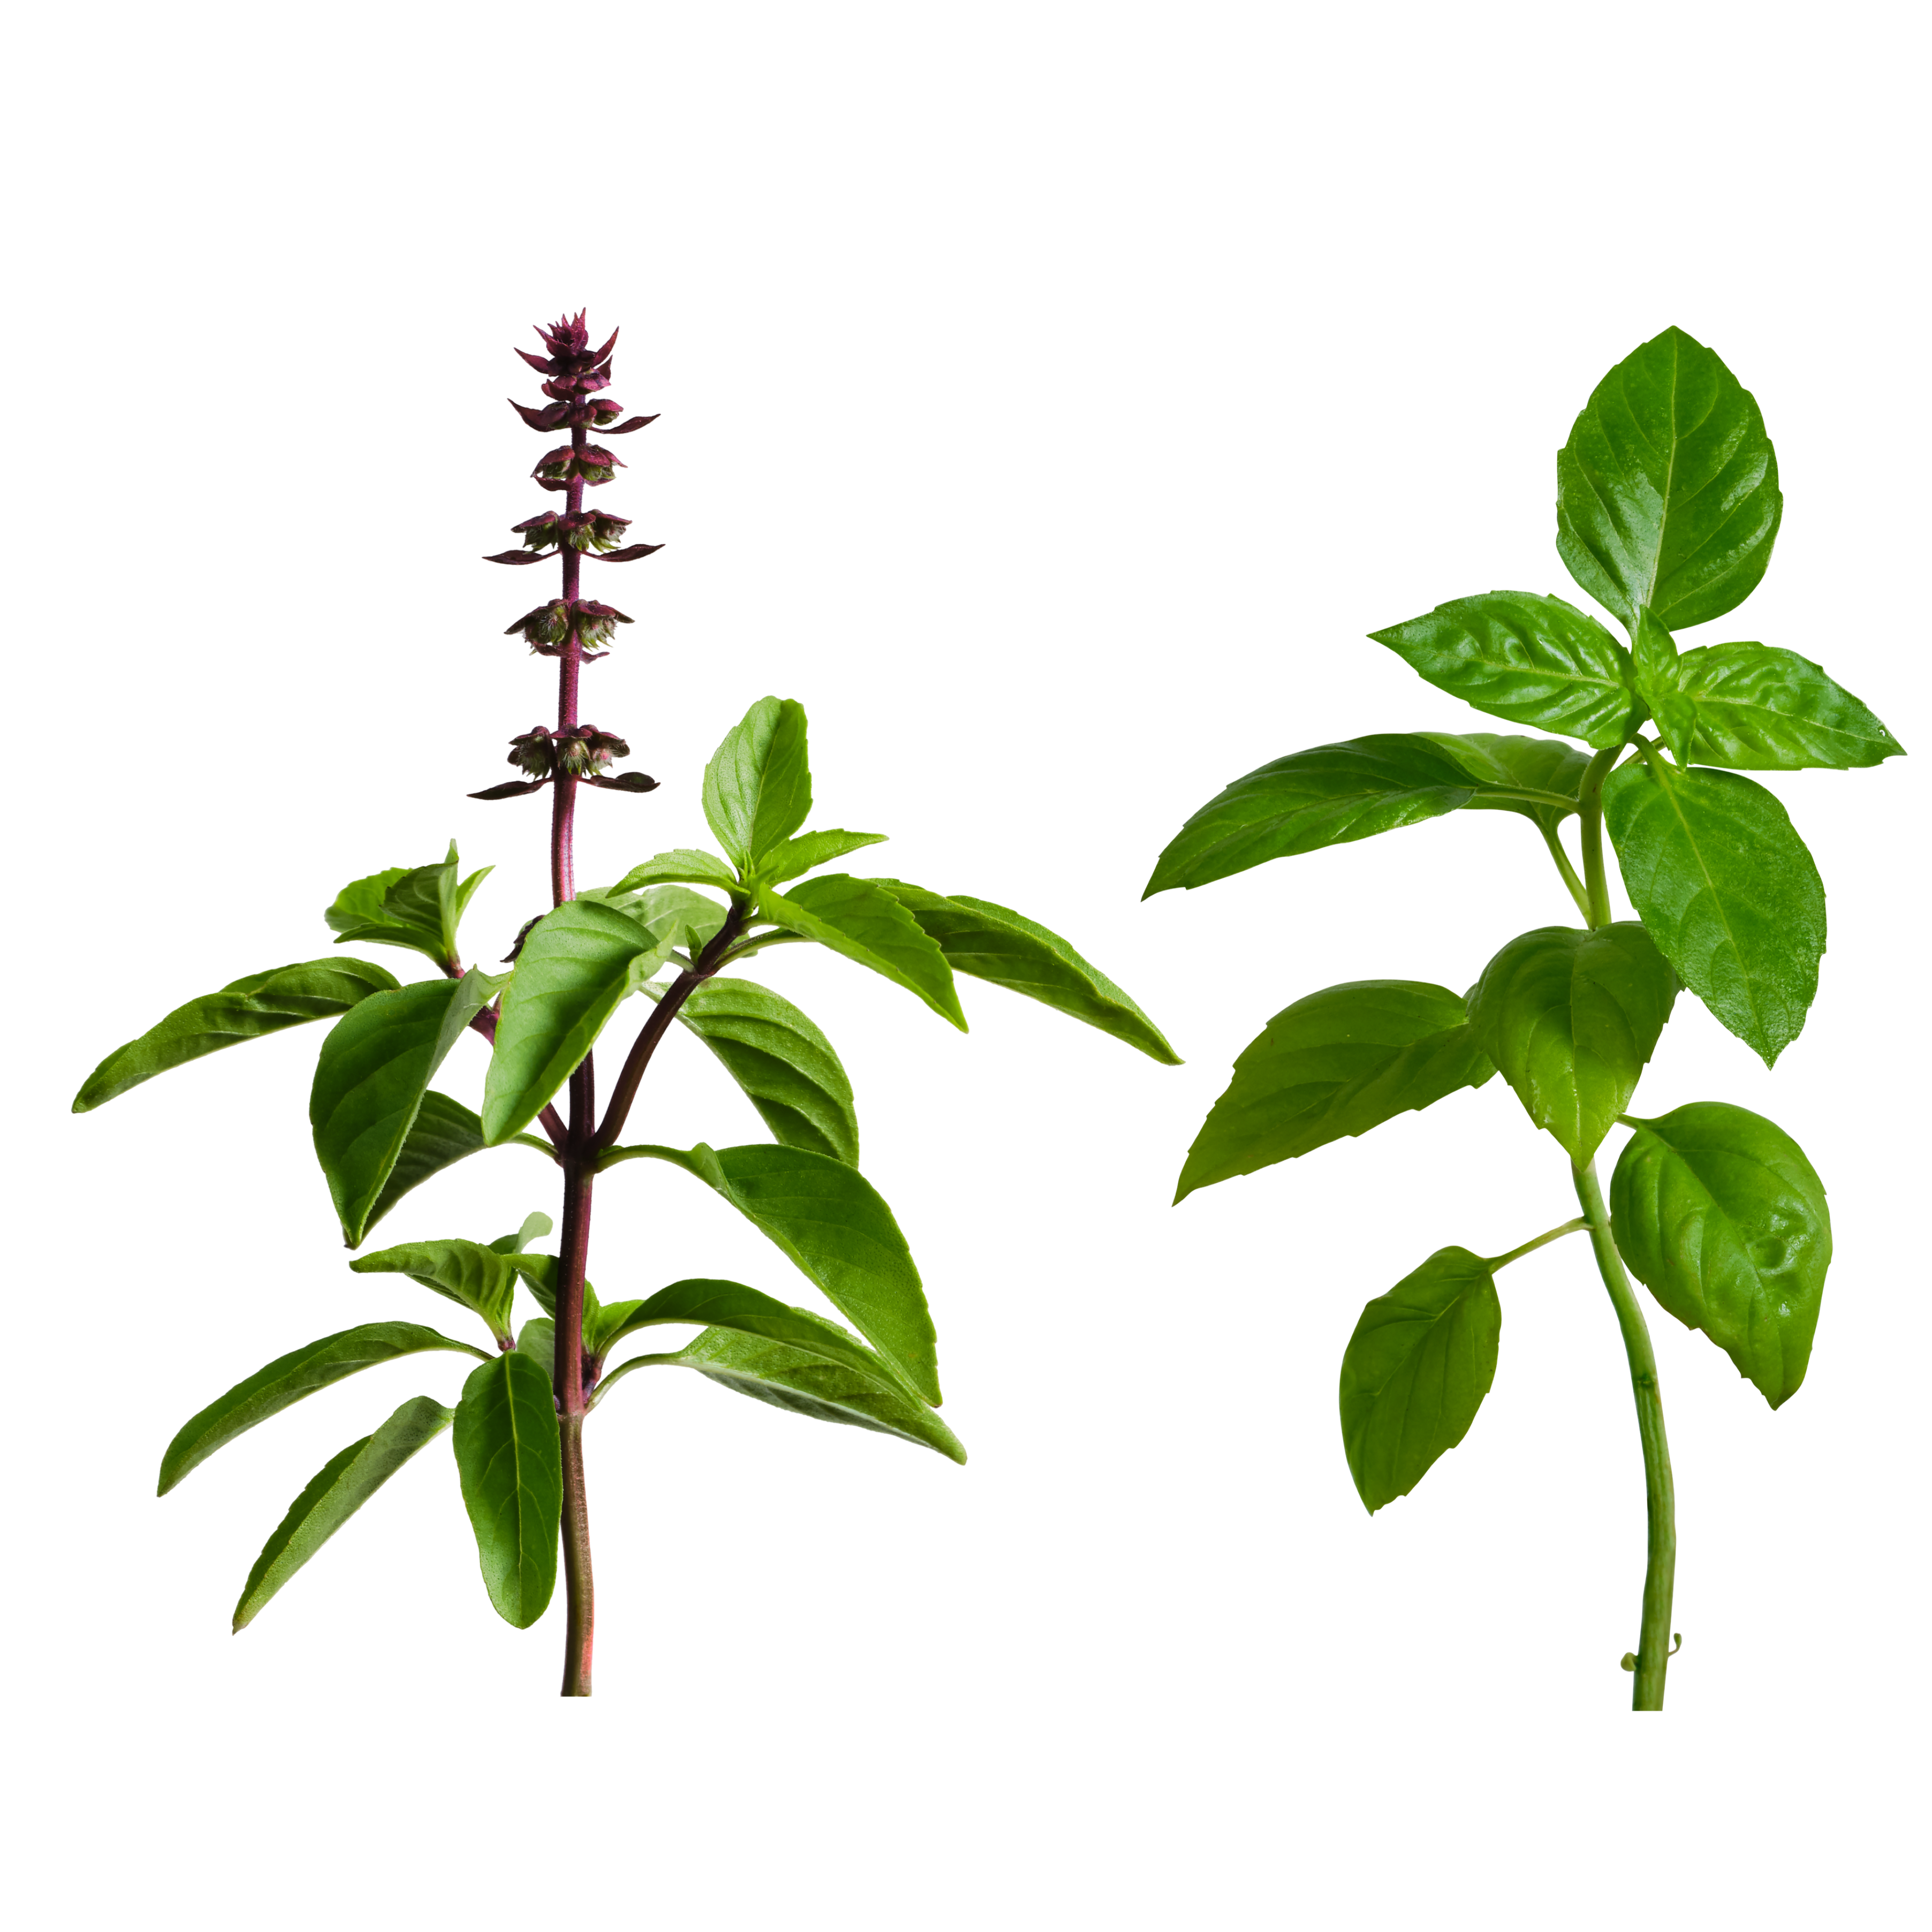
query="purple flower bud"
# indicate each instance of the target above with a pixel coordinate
(552, 416)
(589, 529)
(538, 533)
(534, 752)
(544, 628)
(559, 466)
(596, 621)
(586, 751)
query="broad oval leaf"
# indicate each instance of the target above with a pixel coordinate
(992, 943)
(1335, 1064)
(1729, 890)
(757, 787)
(686, 866)
(337, 1490)
(419, 907)
(443, 1132)
(510, 1458)
(287, 1379)
(868, 925)
(248, 1008)
(1533, 660)
(476, 1277)
(375, 1067)
(1756, 709)
(1666, 492)
(1415, 1371)
(578, 965)
(1327, 796)
(786, 1066)
(831, 1222)
(1538, 777)
(810, 849)
(1722, 1218)
(1570, 1017)
(805, 1382)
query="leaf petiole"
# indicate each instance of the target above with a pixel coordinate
(1575, 1227)
(1552, 839)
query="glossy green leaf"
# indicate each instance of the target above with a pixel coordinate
(1653, 653)
(287, 1379)
(375, 1067)
(1533, 660)
(248, 1009)
(1666, 492)
(810, 849)
(1755, 709)
(1727, 888)
(786, 1066)
(686, 866)
(757, 787)
(419, 907)
(991, 943)
(1722, 1218)
(1538, 777)
(1328, 796)
(830, 1221)
(478, 1278)
(804, 1382)
(443, 1132)
(510, 1457)
(869, 925)
(338, 1489)
(1570, 1017)
(578, 965)
(1333, 1065)
(1415, 1371)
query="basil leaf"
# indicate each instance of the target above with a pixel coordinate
(1756, 709)
(537, 1339)
(757, 787)
(510, 1458)
(685, 866)
(867, 925)
(443, 1132)
(478, 1278)
(419, 907)
(1547, 769)
(810, 849)
(534, 1228)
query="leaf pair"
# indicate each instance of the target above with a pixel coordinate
(419, 907)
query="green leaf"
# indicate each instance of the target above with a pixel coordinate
(510, 1458)
(443, 1132)
(375, 1067)
(287, 1379)
(1728, 889)
(534, 1228)
(810, 849)
(1755, 709)
(685, 866)
(868, 925)
(1722, 1218)
(263, 1002)
(539, 1274)
(830, 1220)
(537, 1339)
(1328, 796)
(1666, 492)
(578, 965)
(338, 1489)
(757, 787)
(804, 1382)
(685, 917)
(991, 943)
(480, 1279)
(1570, 1019)
(1415, 1371)
(420, 908)
(1333, 1065)
(1538, 777)
(785, 1066)
(1653, 653)
(1533, 660)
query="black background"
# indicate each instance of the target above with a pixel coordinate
(1054, 530)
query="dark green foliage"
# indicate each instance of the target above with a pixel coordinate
(507, 1455)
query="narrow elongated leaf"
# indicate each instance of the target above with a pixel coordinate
(337, 1490)
(1728, 889)
(1335, 1064)
(1533, 660)
(830, 1220)
(757, 787)
(287, 1379)
(375, 1067)
(578, 965)
(990, 942)
(803, 1382)
(869, 925)
(1415, 1371)
(685, 866)
(420, 908)
(810, 849)
(1537, 777)
(1757, 710)
(785, 1066)
(510, 1458)
(1570, 1019)
(1722, 1218)
(248, 1008)
(443, 1132)
(1310, 799)
(477, 1277)
(1666, 492)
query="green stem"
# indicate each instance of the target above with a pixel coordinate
(1554, 841)
(1590, 803)
(1541, 1241)
(1653, 1649)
